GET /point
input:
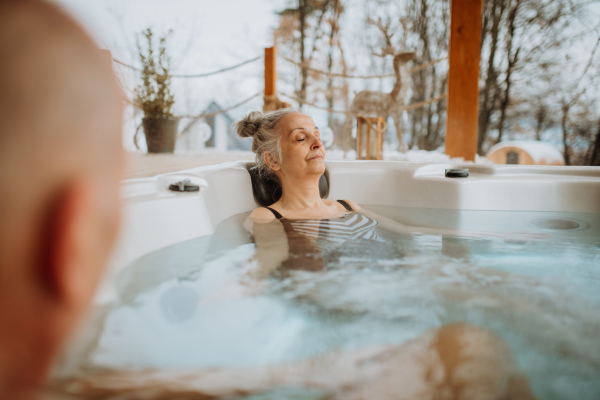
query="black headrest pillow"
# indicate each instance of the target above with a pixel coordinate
(268, 191)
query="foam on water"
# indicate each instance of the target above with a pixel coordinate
(532, 278)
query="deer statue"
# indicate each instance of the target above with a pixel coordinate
(373, 103)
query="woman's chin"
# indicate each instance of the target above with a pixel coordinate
(316, 166)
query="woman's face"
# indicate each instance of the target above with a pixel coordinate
(302, 150)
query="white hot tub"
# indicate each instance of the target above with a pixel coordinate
(155, 217)
(530, 272)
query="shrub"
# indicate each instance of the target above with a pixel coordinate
(153, 96)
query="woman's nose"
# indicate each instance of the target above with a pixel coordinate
(316, 144)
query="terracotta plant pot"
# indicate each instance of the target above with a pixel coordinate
(160, 134)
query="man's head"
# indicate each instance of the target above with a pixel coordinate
(60, 163)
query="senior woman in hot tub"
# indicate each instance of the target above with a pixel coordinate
(288, 145)
(301, 230)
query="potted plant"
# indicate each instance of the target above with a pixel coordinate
(153, 96)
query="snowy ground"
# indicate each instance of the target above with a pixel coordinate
(141, 165)
(144, 165)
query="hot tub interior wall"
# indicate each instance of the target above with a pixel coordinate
(154, 217)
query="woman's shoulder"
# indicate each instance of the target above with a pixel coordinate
(262, 214)
(353, 205)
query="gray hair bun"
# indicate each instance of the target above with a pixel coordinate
(250, 124)
(262, 128)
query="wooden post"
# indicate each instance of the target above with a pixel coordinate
(271, 102)
(368, 157)
(377, 140)
(381, 126)
(358, 138)
(463, 79)
(371, 124)
(271, 71)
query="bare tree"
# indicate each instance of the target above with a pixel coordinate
(593, 153)
(429, 36)
(526, 81)
(306, 18)
(318, 48)
(543, 119)
(532, 33)
(512, 56)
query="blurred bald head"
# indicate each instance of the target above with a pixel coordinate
(60, 163)
(58, 91)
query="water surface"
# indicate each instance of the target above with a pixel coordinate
(533, 278)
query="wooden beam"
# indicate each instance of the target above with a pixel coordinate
(463, 78)
(359, 126)
(271, 71)
(364, 127)
(368, 139)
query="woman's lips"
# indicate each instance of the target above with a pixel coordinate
(317, 157)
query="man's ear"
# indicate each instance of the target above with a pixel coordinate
(271, 162)
(71, 271)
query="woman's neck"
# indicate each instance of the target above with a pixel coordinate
(300, 194)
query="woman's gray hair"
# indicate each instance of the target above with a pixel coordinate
(263, 130)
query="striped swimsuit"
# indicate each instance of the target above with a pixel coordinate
(313, 241)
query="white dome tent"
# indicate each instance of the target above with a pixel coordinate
(525, 152)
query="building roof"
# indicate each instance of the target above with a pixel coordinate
(214, 107)
(537, 150)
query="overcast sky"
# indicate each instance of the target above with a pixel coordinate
(212, 34)
(225, 29)
(207, 35)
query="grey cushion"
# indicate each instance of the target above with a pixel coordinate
(267, 190)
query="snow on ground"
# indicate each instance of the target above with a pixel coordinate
(421, 156)
(141, 165)
(144, 165)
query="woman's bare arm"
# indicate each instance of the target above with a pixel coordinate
(394, 226)
(271, 241)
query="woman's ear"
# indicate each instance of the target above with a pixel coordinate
(271, 162)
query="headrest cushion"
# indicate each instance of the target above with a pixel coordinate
(267, 190)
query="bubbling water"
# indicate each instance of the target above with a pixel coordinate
(531, 278)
